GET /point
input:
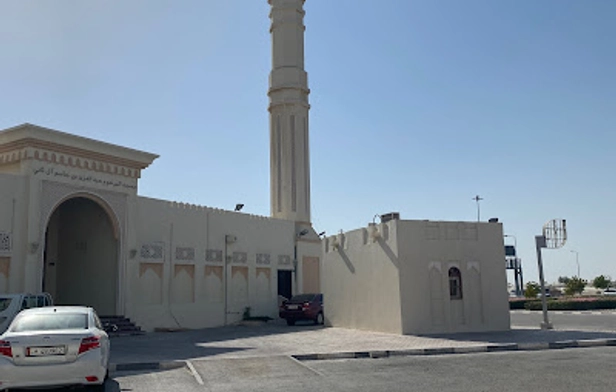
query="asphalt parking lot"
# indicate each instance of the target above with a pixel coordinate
(552, 371)
(227, 358)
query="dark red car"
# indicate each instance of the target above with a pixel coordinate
(303, 307)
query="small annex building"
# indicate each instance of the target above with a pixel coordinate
(417, 277)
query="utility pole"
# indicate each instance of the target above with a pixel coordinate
(577, 261)
(477, 199)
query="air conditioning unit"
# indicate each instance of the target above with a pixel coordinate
(335, 243)
(374, 232)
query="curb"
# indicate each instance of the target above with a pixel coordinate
(168, 365)
(163, 365)
(459, 350)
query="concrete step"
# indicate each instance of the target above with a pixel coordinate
(120, 326)
(125, 333)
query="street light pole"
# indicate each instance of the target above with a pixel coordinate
(577, 261)
(540, 242)
(477, 199)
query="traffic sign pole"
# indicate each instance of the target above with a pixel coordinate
(540, 243)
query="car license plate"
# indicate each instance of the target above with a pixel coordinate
(46, 351)
(293, 307)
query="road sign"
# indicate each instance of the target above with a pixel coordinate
(555, 233)
(509, 250)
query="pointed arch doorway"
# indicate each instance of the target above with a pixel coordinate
(80, 260)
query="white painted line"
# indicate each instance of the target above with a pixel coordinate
(194, 372)
(306, 366)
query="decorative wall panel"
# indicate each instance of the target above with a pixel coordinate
(214, 255)
(5, 243)
(187, 254)
(263, 258)
(284, 260)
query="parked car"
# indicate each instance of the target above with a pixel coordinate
(303, 307)
(54, 347)
(12, 304)
(610, 291)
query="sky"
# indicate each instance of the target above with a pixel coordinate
(417, 106)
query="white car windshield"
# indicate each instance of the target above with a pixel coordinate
(50, 322)
(5, 303)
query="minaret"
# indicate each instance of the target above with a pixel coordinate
(288, 93)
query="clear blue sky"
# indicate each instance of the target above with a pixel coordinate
(417, 106)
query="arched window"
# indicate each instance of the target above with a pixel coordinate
(455, 283)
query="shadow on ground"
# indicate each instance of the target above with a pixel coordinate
(525, 336)
(111, 385)
(184, 345)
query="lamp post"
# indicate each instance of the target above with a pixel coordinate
(577, 254)
(541, 242)
(478, 199)
(554, 237)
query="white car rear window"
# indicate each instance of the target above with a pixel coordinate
(5, 303)
(50, 322)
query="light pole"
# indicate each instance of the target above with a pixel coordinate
(554, 237)
(477, 199)
(541, 242)
(577, 254)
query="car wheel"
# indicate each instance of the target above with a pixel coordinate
(290, 322)
(319, 319)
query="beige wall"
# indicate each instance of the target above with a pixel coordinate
(13, 225)
(393, 277)
(168, 269)
(179, 288)
(360, 283)
(181, 282)
(430, 249)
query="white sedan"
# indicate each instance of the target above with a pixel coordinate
(52, 347)
(611, 291)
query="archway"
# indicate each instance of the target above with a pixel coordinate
(81, 256)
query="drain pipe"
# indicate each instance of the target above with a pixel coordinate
(171, 276)
(12, 238)
(229, 239)
(224, 272)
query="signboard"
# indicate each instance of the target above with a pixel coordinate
(509, 250)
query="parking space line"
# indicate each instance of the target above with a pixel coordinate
(194, 372)
(306, 366)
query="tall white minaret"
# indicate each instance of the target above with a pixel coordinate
(288, 93)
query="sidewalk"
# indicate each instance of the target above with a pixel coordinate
(308, 342)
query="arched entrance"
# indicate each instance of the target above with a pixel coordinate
(81, 256)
